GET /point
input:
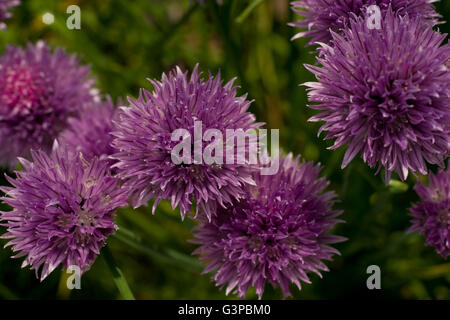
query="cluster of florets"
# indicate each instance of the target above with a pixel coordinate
(384, 92)
(63, 210)
(143, 138)
(39, 91)
(277, 233)
(431, 215)
(322, 17)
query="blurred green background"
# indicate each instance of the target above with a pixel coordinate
(126, 42)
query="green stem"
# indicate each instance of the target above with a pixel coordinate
(375, 184)
(6, 293)
(118, 276)
(231, 48)
(252, 6)
(172, 30)
(173, 258)
(156, 49)
(143, 249)
(346, 181)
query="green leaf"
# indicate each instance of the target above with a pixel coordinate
(118, 276)
(396, 186)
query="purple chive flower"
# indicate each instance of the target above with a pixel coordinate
(143, 138)
(63, 209)
(321, 16)
(385, 93)
(39, 90)
(276, 233)
(5, 5)
(431, 215)
(90, 133)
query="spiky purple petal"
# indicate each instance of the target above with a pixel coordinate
(39, 91)
(90, 133)
(63, 208)
(319, 17)
(431, 215)
(386, 94)
(143, 140)
(277, 233)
